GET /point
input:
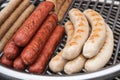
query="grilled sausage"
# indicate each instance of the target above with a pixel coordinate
(97, 36)
(53, 1)
(63, 9)
(57, 63)
(40, 64)
(18, 64)
(32, 23)
(104, 55)
(74, 47)
(75, 65)
(6, 12)
(5, 61)
(15, 26)
(11, 51)
(59, 5)
(13, 17)
(33, 49)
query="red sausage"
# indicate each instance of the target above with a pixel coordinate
(33, 49)
(5, 61)
(18, 64)
(40, 64)
(30, 26)
(11, 51)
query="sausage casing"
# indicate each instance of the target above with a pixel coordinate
(32, 23)
(33, 49)
(40, 64)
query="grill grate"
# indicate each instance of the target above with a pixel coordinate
(109, 9)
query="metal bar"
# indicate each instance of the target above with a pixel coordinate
(109, 11)
(95, 5)
(88, 4)
(80, 3)
(102, 7)
(2, 1)
(116, 18)
(117, 51)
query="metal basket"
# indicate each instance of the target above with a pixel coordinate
(110, 10)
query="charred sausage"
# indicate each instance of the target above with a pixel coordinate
(33, 49)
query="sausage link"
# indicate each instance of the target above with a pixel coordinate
(18, 64)
(33, 49)
(63, 9)
(104, 55)
(40, 64)
(59, 5)
(97, 36)
(75, 65)
(6, 12)
(74, 47)
(57, 63)
(32, 24)
(13, 17)
(15, 26)
(7, 62)
(11, 51)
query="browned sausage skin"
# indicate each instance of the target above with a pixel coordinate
(33, 49)
(39, 65)
(7, 62)
(11, 50)
(18, 64)
(30, 26)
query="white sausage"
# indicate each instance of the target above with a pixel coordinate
(97, 37)
(104, 54)
(75, 65)
(74, 47)
(57, 63)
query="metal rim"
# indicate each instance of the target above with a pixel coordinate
(99, 74)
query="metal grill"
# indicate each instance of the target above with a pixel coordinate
(110, 10)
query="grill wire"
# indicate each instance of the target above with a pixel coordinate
(109, 9)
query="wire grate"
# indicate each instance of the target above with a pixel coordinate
(110, 12)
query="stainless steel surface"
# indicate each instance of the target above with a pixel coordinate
(110, 10)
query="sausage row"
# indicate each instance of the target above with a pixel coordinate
(90, 51)
(32, 39)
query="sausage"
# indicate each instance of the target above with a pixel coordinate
(59, 5)
(18, 64)
(40, 64)
(33, 49)
(57, 63)
(74, 47)
(53, 1)
(11, 51)
(15, 26)
(13, 17)
(103, 56)
(6, 12)
(31, 25)
(5, 61)
(63, 9)
(97, 36)
(75, 65)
